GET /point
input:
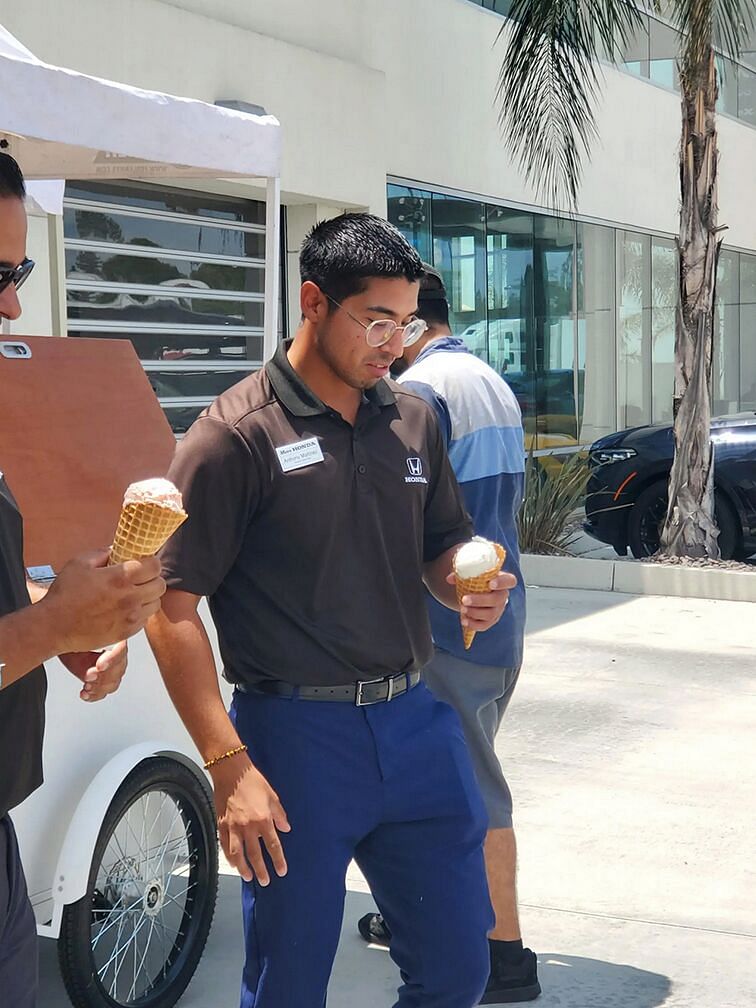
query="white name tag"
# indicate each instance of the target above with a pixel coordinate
(300, 454)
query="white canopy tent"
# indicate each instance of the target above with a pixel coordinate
(60, 124)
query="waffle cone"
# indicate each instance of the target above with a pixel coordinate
(475, 586)
(142, 530)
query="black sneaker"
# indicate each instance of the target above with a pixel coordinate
(511, 983)
(374, 929)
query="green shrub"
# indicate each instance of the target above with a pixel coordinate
(553, 495)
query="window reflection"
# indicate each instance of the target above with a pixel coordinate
(579, 319)
(176, 272)
(596, 307)
(724, 375)
(634, 329)
(459, 254)
(748, 332)
(199, 346)
(193, 384)
(133, 268)
(410, 210)
(664, 279)
(511, 341)
(175, 201)
(154, 233)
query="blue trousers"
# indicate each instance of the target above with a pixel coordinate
(392, 786)
(18, 929)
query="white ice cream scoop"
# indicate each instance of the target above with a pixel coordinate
(154, 491)
(475, 558)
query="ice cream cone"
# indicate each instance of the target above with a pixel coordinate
(143, 529)
(476, 585)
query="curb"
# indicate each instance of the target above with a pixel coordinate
(634, 578)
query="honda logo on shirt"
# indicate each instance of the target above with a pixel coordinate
(415, 467)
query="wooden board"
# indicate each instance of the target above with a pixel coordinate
(79, 422)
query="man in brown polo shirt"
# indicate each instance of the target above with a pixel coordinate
(321, 502)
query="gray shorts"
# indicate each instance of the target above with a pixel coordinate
(480, 694)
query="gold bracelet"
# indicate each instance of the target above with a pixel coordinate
(225, 755)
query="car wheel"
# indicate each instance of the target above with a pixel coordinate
(730, 539)
(137, 935)
(647, 518)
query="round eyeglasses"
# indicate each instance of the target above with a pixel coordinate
(16, 275)
(378, 333)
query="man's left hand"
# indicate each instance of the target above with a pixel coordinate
(101, 673)
(482, 610)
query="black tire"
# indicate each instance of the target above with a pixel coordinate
(649, 511)
(142, 894)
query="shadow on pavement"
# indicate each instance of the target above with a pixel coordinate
(365, 976)
(552, 607)
(574, 982)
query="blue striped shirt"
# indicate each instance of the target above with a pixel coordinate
(482, 426)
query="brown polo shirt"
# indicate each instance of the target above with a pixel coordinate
(309, 535)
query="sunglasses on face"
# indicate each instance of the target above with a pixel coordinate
(381, 331)
(16, 275)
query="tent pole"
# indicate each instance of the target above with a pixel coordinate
(272, 265)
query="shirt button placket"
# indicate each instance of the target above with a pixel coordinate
(359, 462)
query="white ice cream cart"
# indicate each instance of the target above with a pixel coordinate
(119, 845)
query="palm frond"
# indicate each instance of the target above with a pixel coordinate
(549, 80)
(724, 23)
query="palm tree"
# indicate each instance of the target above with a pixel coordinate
(549, 80)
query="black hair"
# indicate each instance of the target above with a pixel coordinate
(432, 304)
(340, 255)
(11, 179)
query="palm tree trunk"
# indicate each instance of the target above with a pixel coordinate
(689, 529)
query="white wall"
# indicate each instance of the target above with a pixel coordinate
(38, 294)
(367, 88)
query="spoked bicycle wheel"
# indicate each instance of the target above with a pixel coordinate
(136, 937)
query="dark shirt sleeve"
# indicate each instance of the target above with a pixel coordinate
(215, 470)
(437, 403)
(447, 523)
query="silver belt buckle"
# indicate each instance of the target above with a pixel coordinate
(359, 702)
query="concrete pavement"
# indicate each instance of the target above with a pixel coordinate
(631, 752)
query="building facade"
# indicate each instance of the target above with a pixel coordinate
(389, 105)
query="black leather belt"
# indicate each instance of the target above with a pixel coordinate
(361, 694)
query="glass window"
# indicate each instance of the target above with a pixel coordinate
(511, 335)
(579, 319)
(664, 48)
(727, 79)
(498, 6)
(178, 273)
(131, 267)
(161, 233)
(635, 56)
(555, 332)
(185, 202)
(459, 254)
(654, 52)
(596, 305)
(748, 332)
(748, 52)
(410, 211)
(664, 278)
(747, 95)
(167, 344)
(634, 330)
(725, 374)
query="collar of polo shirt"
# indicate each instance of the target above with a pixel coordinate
(299, 399)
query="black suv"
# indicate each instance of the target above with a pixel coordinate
(627, 492)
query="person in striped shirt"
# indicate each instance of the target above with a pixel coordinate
(481, 423)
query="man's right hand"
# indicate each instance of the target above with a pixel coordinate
(91, 605)
(249, 811)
